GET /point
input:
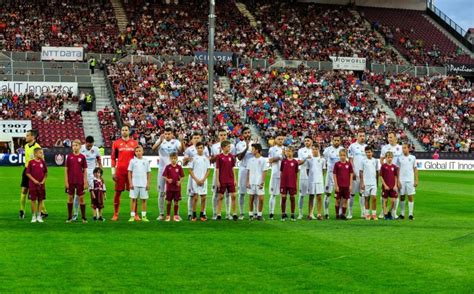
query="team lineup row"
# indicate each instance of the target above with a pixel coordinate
(345, 172)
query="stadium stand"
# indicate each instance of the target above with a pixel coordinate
(314, 32)
(303, 102)
(414, 36)
(28, 25)
(170, 29)
(150, 97)
(436, 109)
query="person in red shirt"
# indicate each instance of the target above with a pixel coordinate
(75, 179)
(173, 174)
(342, 174)
(37, 172)
(389, 175)
(123, 151)
(289, 175)
(225, 178)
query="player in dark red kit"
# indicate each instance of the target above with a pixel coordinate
(123, 151)
(289, 175)
(173, 174)
(343, 174)
(75, 179)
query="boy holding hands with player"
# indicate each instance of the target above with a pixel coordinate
(256, 180)
(97, 194)
(75, 178)
(37, 172)
(173, 174)
(198, 174)
(225, 178)
(139, 173)
(368, 175)
(316, 165)
(342, 174)
(289, 175)
(389, 175)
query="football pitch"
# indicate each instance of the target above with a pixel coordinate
(433, 253)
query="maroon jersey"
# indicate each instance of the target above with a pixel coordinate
(343, 171)
(38, 170)
(174, 173)
(289, 173)
(98, 187)
(389, 172)
(225, 164)
(76, 165)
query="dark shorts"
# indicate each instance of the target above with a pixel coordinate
(122, 183)
(173, 195)
(230, 188)
(25, 181)
(76, 189)
(285, 191)
(344, 192)
(37, 193)
(389, 193)
(98, 201)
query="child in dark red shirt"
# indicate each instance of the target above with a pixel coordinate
(98, 195)
(76, 179)
(343, 174)
(225, 178)
(389, 175)
(289, 175)
(173, 174)
(37, 172)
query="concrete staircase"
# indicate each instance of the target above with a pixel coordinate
(418, 146)
(120, 15)
(450, 37)
(92, 127)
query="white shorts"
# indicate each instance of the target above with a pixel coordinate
(329, 183)
(274, 186)
(370, 190)
(355, 186)
(139, 192)
(316, 188)
(243, 181)
(256, 190)
(407, 188)
(196, 189)
(304, 187)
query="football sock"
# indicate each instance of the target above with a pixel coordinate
(241, 203)
(176, 207)
(132, 213)
(411, 205)
(344, 210)
(402, 207)
(326, 204)
(214, 204)
(143, 213)
(161, 203)
(283, 205)
(69, 210)
(255, 205)
(374, 212)
(116, 202)
(76, 205)
(22, 201)
(271, 204)
(168, 208)
(190, 206)
(83, 211)
(293, 204)
(351, 204)
(337, 209)
(362, 204)
(228, 201)
(300, 204)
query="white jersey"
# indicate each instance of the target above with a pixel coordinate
(240, 147)
(395, 149)
(139, 168)
(92, 156)
(370, 167)
(331, 155)
(276, 152)
(216, 149)
(407, 165)
(316, 166)
(164, 151)
(357, 153)
(200, 165)
(303, 154)
(256, 167)
(191, 152)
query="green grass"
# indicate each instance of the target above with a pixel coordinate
(434, 253)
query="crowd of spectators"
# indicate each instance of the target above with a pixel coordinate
(303, 102)
(438, 110)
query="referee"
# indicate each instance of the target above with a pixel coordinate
(30, 146)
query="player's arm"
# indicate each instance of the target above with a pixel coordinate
(264, 173)
(113, 160)
(66, 181)
(99, 161)
(415, 171)
(86, 182)
(351, 176)
(247, 181)
(334, 176)
(93, 194)
(397, 179)
(193, 176)
(241, 155)
(157, 143)
(361, 177)
(130, 175)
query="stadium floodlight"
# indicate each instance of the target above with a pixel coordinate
(210, 62)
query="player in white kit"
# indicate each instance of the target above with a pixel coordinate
(396, 150)
(92, 154)
(275, 156)
(244, 153)
(408, 181)
(368, 175)
(316, 166)
(255, 182)
(356, 156)
(216, 150)
(304, 154)
(189, 155)
(198, 174)
(166, 145)
(331, 155)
